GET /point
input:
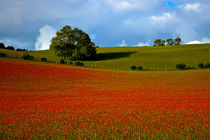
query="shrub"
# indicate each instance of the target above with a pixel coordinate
(62, 61)
(133, 67)
(10, 48)
(78, 63)
(181, 66)
(27, 57)
(70, 63)
(3, 54)
(139, 68)
(201, 65)
(207, 65)
(44, 59)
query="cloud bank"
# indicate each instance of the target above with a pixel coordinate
(111, 20)
(43, 40)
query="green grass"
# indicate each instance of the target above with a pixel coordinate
(153, 58)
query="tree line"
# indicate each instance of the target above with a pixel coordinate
(2, 46)
(168, 42)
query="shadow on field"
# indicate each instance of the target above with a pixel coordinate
(112, 55)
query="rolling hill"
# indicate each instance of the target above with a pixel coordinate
(121, 58)
(49, 101)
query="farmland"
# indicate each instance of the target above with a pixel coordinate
(43, 100)
(150, 58)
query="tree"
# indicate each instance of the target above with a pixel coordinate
(157, 42)
(177, 41)
(133, 67)
(201, 65)
(163, 42)
(10, 48)
(73, 44)
(2, 45)
(170, 41)
(181, 66)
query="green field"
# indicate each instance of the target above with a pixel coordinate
(151, 58)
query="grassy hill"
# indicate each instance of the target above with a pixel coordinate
(151, 58)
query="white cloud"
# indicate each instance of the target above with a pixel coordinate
(162, 18)
(123, 43)
(43, 40)
(124, 5)
(142, 44)
(203, 41)
(193, 7)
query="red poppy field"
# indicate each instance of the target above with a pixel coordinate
(42, 100)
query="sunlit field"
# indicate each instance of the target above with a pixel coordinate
(43, 100)
(159, 58)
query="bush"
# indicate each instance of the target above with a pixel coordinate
(44, 59)
(3, 54)
(27, 57)
(62, 61)
(207, 65)
(78, 63)
(10, 48)
(70, 63)
(201, 65)
(139, 68)
(181, 66)
(133, 67)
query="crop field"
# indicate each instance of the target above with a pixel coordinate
(150, 58)
(51, 101)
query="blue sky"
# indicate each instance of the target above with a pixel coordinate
(32, 23)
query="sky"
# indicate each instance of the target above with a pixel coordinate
(31, 24)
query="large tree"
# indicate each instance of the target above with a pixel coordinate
(73, 44)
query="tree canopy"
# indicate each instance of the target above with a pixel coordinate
(177, 41)
(73, 44)
(159, 42)
(2, 45)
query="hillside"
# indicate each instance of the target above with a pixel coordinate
(151, 58)
(50, 101)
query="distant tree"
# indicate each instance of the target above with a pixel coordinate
(10, 48)
(157, 42)
(44, 59)
(2, 45)
(18, 49)
(73, 44)
(139, 68)
(170, 42)
(207, 65)
(133, 67)
(181, 66)
(163, 42)
(201, 65)
(27, 57)
(177, 41)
